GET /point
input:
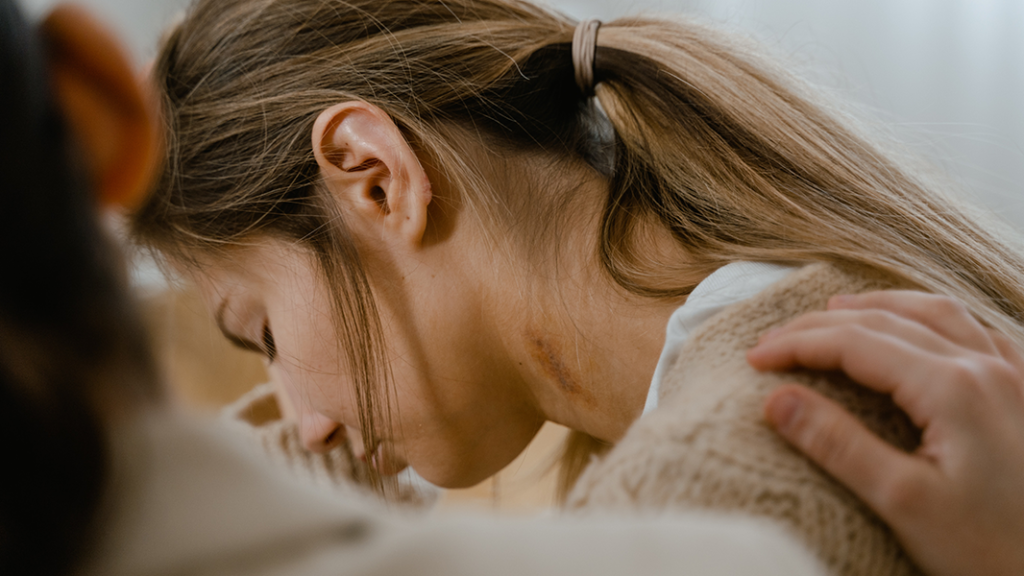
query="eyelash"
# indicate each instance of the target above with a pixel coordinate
(268, 343)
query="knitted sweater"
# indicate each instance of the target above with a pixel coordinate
(706, 446)
(257, 416)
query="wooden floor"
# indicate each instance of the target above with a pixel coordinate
(205, 372)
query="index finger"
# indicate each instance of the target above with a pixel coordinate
(946, 316)
(873, 359)
(838, 442)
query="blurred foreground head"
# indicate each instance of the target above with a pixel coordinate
(77, 134)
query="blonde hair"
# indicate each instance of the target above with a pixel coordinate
(731, 155)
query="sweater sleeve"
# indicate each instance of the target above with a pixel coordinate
(707, 447)
(257, 417)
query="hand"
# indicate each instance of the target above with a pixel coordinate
(957, 503)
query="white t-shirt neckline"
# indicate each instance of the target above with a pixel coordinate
(728, 285)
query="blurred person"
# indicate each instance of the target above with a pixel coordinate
(73, 353)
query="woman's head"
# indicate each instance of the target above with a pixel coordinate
(276, 107)
(431, 96)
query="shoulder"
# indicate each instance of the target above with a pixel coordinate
(806, 289)
(706, 446)
(721, 342)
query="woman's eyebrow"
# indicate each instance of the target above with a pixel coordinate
(232, 337)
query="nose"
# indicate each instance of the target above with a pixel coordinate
(319, 433)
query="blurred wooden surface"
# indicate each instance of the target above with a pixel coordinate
(203, 369)
(205, 372)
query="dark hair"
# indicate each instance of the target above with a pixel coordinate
(67, 326)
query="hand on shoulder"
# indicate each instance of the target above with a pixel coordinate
(957, 503)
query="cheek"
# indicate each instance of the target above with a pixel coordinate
(310, 369)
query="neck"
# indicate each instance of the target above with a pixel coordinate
(584, 346)
(590, 367)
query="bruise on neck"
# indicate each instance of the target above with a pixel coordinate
(549, 357)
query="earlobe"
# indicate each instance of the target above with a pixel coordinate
(368, 165)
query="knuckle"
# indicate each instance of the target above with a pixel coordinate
(946, 306)
(979, 371)
(976, 381)
(824, 441)
(965, 373)
(996, 379)
(854, 331)
(1000, 372)
(951, 384)
(903, 494)
(876, 319)
(1004, 344)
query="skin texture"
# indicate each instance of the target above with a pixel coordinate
(955, 503)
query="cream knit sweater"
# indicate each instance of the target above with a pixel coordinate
(257, 416)
(706, 446)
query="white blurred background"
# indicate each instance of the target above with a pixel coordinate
(949, 73)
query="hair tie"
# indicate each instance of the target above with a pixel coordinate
(584, 46)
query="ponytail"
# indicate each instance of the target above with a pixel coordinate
(740, 162)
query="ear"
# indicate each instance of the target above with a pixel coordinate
(109, 111)
(368, 165)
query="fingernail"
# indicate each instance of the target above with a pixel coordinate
(769, 335)
(840, 301)
(783, 410)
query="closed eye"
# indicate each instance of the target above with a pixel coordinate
(269, 348)
(266, 347)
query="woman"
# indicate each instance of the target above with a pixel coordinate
(419, 215)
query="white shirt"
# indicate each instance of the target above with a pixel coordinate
(728, 285)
